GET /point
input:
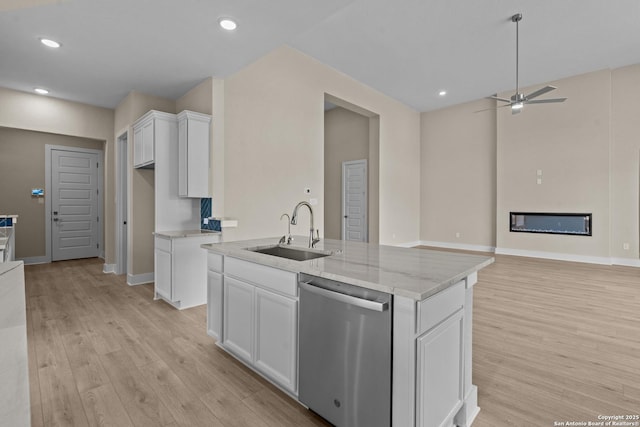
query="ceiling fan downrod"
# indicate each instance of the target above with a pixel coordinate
(517, 18)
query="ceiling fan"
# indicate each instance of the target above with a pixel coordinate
(518, 100)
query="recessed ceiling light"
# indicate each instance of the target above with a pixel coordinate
(41, 91)
(442, 93)
(228, 24)
(50, 43)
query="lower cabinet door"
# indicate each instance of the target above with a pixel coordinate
(237, 335)
(276, 342)
(214, 304)
(440, 372)
(162, 276)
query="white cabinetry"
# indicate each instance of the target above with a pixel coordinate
(145, 135)
(439, 369)
(180, 269)
(276, 337)
(258, 309)
(193, 154)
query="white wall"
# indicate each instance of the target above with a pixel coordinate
(274, 111)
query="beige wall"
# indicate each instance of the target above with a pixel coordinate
(274, 147)
(625, 160)
(22, 166)
(141, 185)
(458, 164)
(198, 99)
(588, 149)
(569, 142)
(346, 137)
(20, 110)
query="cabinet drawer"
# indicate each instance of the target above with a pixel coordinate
(214, 262)
(284, 282)
(435, 309)
(163, 244)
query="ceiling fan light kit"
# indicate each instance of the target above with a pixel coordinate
(518, 100)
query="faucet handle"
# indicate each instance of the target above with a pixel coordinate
(316, 239)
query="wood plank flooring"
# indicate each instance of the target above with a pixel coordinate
(553, 341)
(102, 353)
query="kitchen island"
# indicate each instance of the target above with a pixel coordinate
(253, 313)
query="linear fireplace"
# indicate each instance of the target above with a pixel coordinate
(575, 224)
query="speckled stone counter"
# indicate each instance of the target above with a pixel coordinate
(185, 233)
(15, 408)
(413, 273)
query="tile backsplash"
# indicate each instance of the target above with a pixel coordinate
(205, 212)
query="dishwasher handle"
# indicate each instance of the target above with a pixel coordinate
(348, 299)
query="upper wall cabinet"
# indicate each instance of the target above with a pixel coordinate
(147, 132)
(193, 154)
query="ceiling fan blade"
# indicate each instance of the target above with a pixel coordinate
(497, 98)
(539, 92)
(492, 109)
(545, 101)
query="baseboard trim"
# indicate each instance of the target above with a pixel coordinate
(461, 246)
(35, 260)
(555, 255)
(139, 279)
(629, 262)
(409, 244)
(109, 268)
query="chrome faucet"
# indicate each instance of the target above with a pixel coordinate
(288, 237)
(294, 221)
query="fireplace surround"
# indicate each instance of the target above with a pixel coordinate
(574, 224)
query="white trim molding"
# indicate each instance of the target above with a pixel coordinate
(409, 244)
(139, 279)
(555, 255)
(461, 246)
(629, 262)
(34, 260)
(108, 268)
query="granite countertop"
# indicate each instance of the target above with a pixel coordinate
(184, 233)
(412, 273)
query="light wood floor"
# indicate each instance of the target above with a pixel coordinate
(553, 341)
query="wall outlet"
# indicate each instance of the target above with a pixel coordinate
(625, 246)
(205, 221)
(539, 181)
(457, 235)
(539, 172)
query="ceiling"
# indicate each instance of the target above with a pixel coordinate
(406, 49)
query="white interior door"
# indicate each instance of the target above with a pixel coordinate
(354, 200)
(74, 205)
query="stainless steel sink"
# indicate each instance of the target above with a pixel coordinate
(296, 254)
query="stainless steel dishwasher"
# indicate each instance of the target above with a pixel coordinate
(345, 352)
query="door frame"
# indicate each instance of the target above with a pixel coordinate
(48, 148)
(366, 197)
(122, 194)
